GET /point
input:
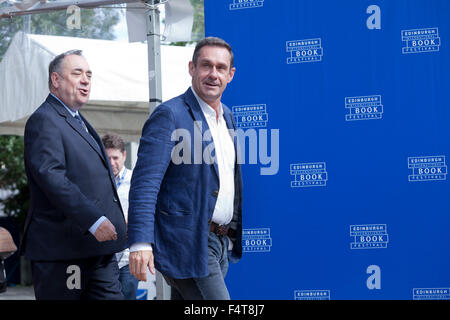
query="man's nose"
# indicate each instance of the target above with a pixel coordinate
(85, 78)
(213, 72)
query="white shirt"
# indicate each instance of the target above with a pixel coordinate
(123, 180)
(225, 159)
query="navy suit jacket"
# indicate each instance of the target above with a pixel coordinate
(171, 204)
(71, 185)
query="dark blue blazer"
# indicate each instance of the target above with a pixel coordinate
(71, 185)
(171, 204)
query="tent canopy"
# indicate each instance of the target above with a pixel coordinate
(120, 87)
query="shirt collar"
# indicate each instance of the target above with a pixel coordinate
(73, 113)
(119, 175)
(206, 108)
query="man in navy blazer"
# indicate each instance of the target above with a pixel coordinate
(75, 224)
(185, 197)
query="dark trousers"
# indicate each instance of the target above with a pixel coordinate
(211, 287)
(129, 283)
(95, 278)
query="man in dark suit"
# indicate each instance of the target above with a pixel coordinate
(185, 198)
(75, 224)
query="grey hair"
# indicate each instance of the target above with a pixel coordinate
(55, 64)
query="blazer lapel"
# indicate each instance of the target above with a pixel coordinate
(198, 116)
(101, 152)
(93, 135)
(228, 118)
(77, 127)
(230, 125)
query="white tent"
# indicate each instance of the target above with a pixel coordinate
(120, 90)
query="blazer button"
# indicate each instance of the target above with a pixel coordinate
(216, 193)
(115, 199)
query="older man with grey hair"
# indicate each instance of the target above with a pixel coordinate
(75, 224)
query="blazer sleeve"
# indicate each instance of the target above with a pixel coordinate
(154, 155)
(46, 163)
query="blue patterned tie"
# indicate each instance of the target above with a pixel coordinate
(81, 122)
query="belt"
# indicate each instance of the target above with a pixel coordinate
(219, 230)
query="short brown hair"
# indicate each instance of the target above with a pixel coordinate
(213, 42)
(113, 141)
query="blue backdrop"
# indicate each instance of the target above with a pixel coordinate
(354, 94)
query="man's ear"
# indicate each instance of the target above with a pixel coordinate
(55, 77)
(191, 68)
(232, 71)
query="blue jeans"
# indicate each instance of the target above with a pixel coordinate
(129, 283)
(211, 287)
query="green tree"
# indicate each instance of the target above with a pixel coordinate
(198, 27)
(13, 177)
(95, 24)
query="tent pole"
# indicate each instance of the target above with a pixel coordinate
(154, 55)
(155, 98)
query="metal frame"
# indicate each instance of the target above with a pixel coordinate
(39, 7)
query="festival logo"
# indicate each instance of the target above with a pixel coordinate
(308, 50)
(428, 168)
(431, 293)
(363, 108)
(369, 236)
(246, 4)
(256, 240)
(421, 40)
(312, 295)
(250, 116)
(309, 174)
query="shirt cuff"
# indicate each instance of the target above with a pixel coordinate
(141, 246)
(230, 244)
(94, 227)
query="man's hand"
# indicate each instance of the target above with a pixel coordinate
(105, 231)
(138, 262)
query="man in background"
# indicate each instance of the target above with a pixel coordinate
(115, 148)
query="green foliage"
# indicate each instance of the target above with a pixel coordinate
(198, 28)
(95, 24)
(13, 177)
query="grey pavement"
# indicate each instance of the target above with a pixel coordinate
(18, 293)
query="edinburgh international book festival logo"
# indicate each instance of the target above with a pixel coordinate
(420, 40)
(429, 168)
(307, 50)
(246, 4)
